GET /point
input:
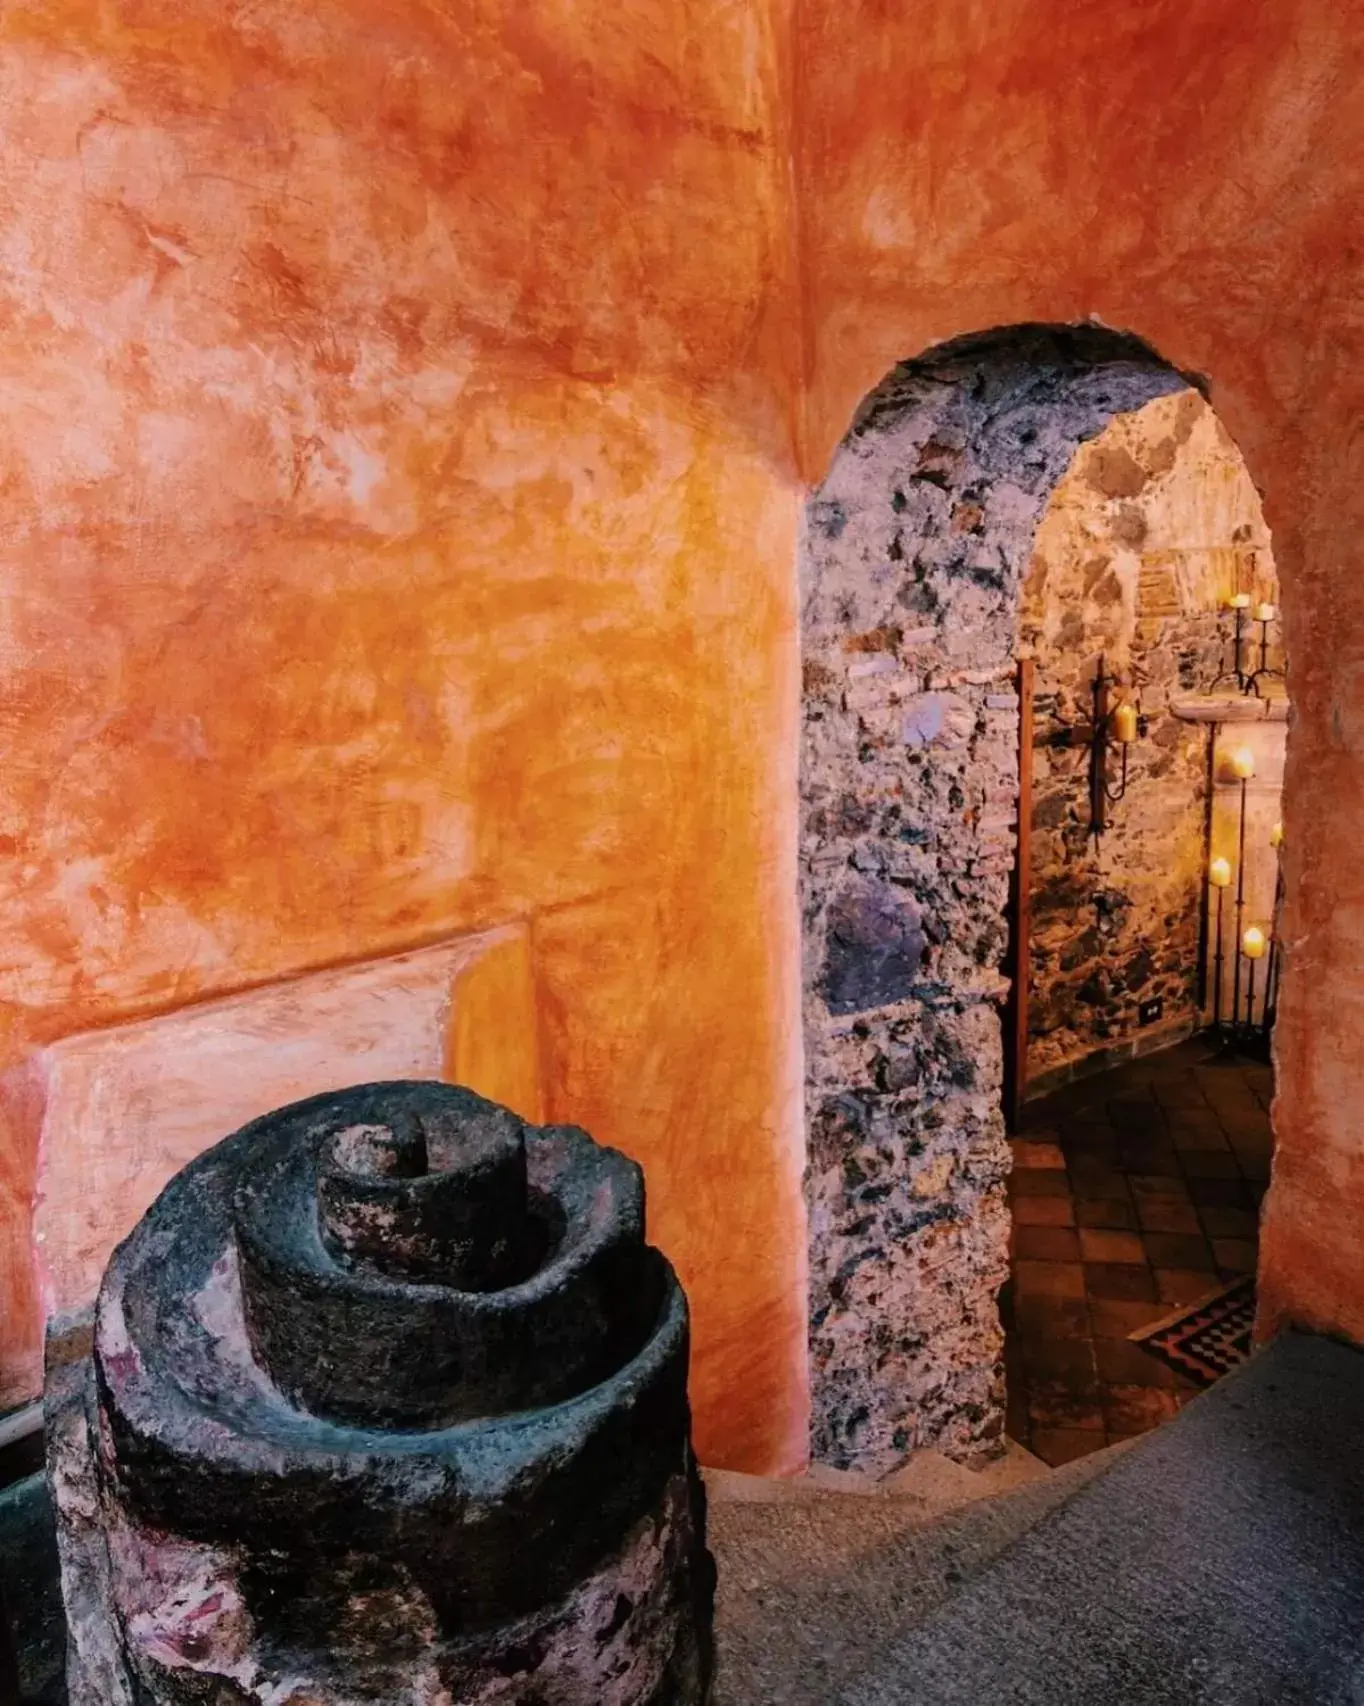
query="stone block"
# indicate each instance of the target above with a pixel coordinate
(385, 1403)
(874, 946)
(938, 719)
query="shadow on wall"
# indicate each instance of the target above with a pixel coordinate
(912, 567)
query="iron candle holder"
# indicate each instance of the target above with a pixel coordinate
(1245, 647)
(1265, 614)
(1110, 723)
(1239, 605)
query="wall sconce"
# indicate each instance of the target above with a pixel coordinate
(1109, 723)
(1248, 680)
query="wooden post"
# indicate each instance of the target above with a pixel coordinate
(1020, 912)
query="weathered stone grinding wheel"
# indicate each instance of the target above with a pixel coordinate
(386, 1402)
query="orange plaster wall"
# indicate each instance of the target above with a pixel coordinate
(398, 473)
(398, 506)
(1194, 174)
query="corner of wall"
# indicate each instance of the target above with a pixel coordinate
(493, 1042)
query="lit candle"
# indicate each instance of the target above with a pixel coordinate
(1276, 836)
(1253, 943)
(1219, 873)
(1243, 763)
(1265, 613)
(1125, 723)
(1239, 601)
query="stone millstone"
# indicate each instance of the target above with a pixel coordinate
(385, 1402)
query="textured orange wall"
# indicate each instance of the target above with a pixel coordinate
(398, 506)
(398, 481)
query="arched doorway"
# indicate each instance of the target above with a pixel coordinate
(914, 571)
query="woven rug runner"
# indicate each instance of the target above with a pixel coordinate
(1205, 1340)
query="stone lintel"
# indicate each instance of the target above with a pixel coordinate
(1231, 708)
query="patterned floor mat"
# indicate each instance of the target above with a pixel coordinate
(1207, 1339)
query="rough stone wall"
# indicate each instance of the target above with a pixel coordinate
(914, 552)
(1154, 525)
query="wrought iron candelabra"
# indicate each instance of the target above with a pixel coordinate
(1243, 768)
(1243, 1029)
(1246, 650)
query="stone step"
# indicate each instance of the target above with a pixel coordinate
(817, 1574)
(935, 1482)
(1218, 1562)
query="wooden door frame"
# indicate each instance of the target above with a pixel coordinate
(1020, 912)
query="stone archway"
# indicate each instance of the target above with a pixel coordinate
(912, 563)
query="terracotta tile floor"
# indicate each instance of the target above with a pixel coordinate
(1132, 1192)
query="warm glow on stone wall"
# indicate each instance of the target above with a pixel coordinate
(1154, 527)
